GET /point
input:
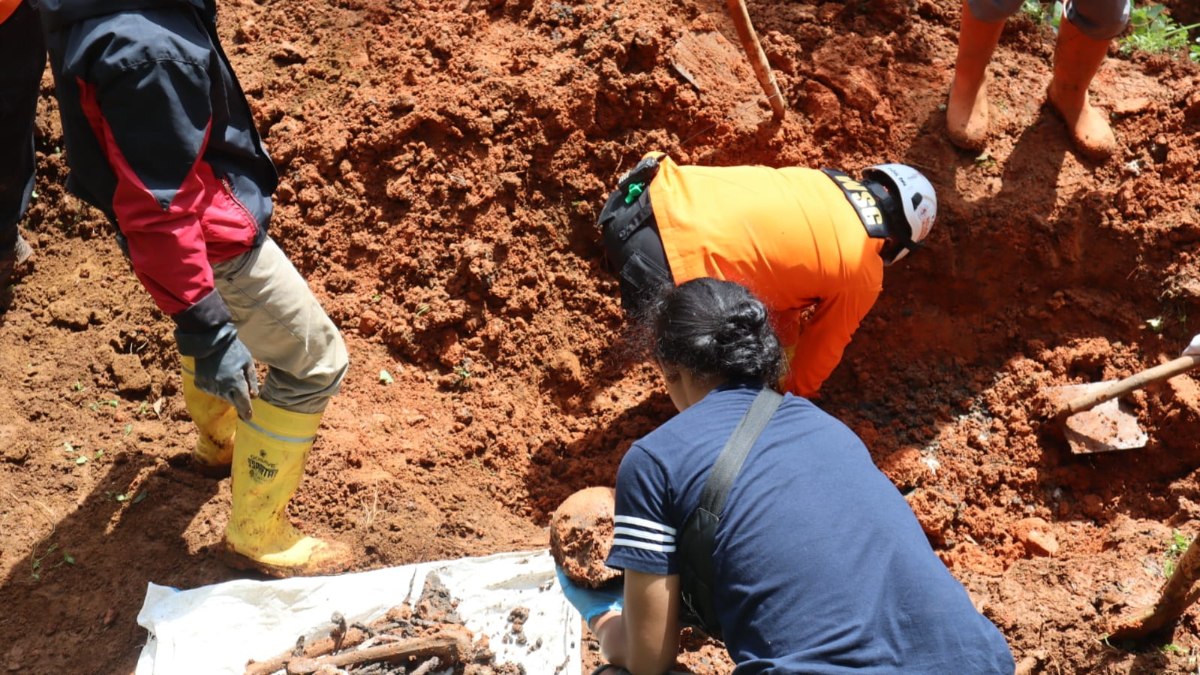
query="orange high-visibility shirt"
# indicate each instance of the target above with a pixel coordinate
(7, 7)
(790, 236)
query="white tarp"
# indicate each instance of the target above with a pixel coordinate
(218, 628)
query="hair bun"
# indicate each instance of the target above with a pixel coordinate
(748, 314)
(716, 327)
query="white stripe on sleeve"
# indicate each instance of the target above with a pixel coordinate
(642, 534)
(634, 543)
(642, 522)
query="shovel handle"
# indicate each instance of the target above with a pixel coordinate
(757, 57)
(1136, 381)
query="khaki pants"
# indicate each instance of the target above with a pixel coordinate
(283, 326)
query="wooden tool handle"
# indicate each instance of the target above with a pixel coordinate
(1136, 381)
(757, 57)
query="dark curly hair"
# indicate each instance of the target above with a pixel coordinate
(715, 328)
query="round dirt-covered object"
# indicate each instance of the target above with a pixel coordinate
(581, 534)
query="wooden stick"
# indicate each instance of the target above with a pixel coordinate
(1136, 381)
(757, 57)
(451, 645)
(352, 637)
(1175, 598)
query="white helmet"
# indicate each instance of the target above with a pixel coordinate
(916, 196)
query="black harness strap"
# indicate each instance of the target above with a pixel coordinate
(697, 539)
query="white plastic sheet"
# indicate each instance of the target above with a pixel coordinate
(217, 629)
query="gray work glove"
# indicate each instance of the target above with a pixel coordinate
(224, 367)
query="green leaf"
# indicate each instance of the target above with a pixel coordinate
(140, 496)
(99, 454)
(1156, 324)
(68, 558)
(67, 447)
(386, 377)
(128, 429)
(122, 497)
(81, 460)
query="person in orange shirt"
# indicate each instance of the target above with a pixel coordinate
(801, 239)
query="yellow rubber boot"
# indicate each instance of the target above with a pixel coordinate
(216, 423)
(268, 463)
(967, 109)
(1077, 57)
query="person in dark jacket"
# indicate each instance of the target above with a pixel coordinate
(159, 137)
(22, 60)
(818, 564)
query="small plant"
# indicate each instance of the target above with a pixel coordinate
(1156, 324)
(145, 408)
(462, 374)
(1172, 648)
(1034, 9)
(78, 386)
(386, 377)
(421, 309)
(39, 566)
(371, 511)
(1049, 13)
(1179, 544)
(122, 497)
(110, 402)
(1154, 31)
(1194, 51)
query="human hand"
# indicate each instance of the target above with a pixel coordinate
(1194, 348)
(224, 367)
(591, 602)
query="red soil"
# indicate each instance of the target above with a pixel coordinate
(443, 164)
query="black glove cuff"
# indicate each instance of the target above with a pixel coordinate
(200, 345)
(207, 314)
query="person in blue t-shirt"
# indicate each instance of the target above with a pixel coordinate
(819, 564)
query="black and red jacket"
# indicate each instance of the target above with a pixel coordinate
(160, 137)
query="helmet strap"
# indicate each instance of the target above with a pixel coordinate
(893, 213)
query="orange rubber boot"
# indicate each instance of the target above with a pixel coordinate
(967, 110)
(1077, 57)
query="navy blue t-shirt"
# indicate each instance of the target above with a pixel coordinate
(820, 564)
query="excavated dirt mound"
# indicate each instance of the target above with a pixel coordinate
(442, 167)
